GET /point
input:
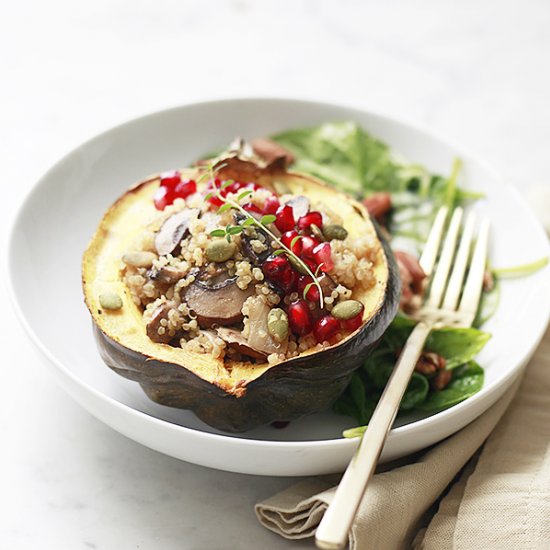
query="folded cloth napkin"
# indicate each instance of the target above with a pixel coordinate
(502, 500)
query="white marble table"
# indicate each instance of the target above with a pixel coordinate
(474, 71)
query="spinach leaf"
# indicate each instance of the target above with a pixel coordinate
(343, 154)
(457, 345)
(466, 381)
(358, 401)
(416, 393)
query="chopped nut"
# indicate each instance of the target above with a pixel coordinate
(378, 205)
(441, 379)
(429, 363)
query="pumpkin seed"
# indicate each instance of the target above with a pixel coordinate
(139, 259)
(297, 265)
(334, 232)
(277, 324)
(220, 250)
(348, 309)
(317, 233)
(110, 300)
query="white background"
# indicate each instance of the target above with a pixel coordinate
(475, 71)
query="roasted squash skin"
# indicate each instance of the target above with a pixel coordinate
(302, 385)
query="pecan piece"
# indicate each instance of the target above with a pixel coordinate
(441, 380)
(378, 205)
(429, 363)
(270, 151)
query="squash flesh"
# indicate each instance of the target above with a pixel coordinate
(102, 272)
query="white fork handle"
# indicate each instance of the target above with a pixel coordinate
(333, 530)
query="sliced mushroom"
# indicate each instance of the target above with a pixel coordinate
(216, 299)
(173, 230)
(250, 234)
(154, 325)
(259, 338)
(300, 206)
(167, 275)
(236, 340)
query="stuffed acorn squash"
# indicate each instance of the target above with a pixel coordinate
(241, 291)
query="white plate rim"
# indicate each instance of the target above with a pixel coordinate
(441, 417)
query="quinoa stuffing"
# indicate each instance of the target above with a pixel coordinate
(239, 271)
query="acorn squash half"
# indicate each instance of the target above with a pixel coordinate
(237, 396)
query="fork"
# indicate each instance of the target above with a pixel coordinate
(447, 304)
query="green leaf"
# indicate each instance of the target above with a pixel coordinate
(228, 237)
(457, 345)
(247, 222)
(306, 290)
(488, 305)
(226, 183)
(244, 194)
(354, 432)
(294, 241)
(208, 196)
(224, 208)
(278, 252)
(267, 219)
(357, 391)
(466, 381)
(345, 405)
(217, 233)
(235, 230)
(450, 192)
(416, 392)
(521, 270)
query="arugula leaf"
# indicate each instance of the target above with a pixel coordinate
(467, 381)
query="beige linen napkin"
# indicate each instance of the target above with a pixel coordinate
(502, 500)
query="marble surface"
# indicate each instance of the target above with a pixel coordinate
(474, 71)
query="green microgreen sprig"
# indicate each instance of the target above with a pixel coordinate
(262, 224)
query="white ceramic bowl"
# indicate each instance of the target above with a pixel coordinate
(61, 213)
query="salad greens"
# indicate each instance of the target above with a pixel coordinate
(345, 155)
(457, 345)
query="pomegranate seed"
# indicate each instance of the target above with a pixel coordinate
(287, 239)
(170, 179)
(285, 218)
(253, 186)
(163, 197)
(322, 254)
(325, 328)
(287, 282)
(185, 188)
(271, 205)
(311, 218)
(278, 271)
(312, 294)
(353, 323)
(235, 187)
(251, 207)
(299, 318)
(274, 266)
(215, 201)
(308, 245)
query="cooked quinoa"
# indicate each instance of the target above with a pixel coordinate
(163, 288)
